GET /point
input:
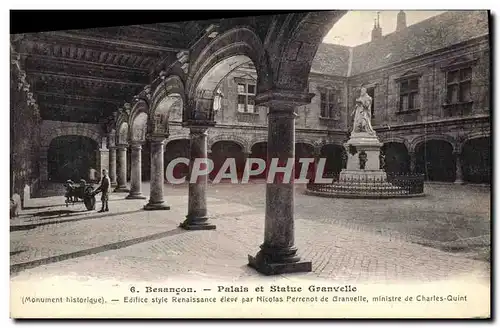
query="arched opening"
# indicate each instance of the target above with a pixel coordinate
(173, 150)
(123, 136)
(259, 150)
(146, 161)
(229, 88)
(71, 157)
(221, 151)
(170, 110)
(303, 150)
(434, 159)
(139, 129)
(476, 160)
(335, 159)
(396, 158)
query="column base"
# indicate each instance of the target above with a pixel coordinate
(269, 269)
(121, 189)
(156, 207)
(114, 184)
(459, 182)
(197, 224)
(136, 196)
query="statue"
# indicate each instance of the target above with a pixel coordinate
(218, 100)
(362, 113)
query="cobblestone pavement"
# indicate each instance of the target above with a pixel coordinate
(346, 240)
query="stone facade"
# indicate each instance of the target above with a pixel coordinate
(338, 71)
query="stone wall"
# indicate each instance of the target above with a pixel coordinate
(24, 139)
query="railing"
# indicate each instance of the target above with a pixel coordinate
(396, 185)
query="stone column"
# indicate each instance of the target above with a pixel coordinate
(44, 164)
(278, 253)
(156, 201)
(413, 162)
(458, 169)
(197, 218)
(102, 161)
(135, 171)
(246, 156)
(317, 155)
(112, 165)
(122, 169)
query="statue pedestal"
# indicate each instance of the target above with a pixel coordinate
(363, 159)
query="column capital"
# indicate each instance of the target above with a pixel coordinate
(156, 138)
(282, 99)
(136, 144)
(122, 146)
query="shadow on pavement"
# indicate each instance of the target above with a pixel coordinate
(21, 227)
(16, 268)
(56, 213)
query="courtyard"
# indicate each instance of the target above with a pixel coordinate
(439, 236)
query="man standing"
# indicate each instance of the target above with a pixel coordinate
(104, 188)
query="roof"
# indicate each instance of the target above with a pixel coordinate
(331, 59)
(429, 35)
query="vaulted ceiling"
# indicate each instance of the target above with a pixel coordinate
(85, 75)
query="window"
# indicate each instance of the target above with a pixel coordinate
(408, 94)
(327, 103)
(246, 98)
(458, 85)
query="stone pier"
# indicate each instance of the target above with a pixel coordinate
(135, 171)
(197, 217)
(122, 169)
(156, 200)
(278, 253)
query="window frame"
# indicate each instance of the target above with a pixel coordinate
(245, 94)
(415, 92)
(331, 103)
(459, 82)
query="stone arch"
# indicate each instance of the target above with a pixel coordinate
(335, 156)
(257, 140)
(70, 156)
(138, 121)
(173, 84)
(305, 141)
(472, 136)
(293, 41)
(70, 130)
(238, 41)
(176, 137)
(396, 156)
(122, 136)
(443, 137)
(242, 142)
(400, 140)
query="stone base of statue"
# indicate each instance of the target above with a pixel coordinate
(363, 177)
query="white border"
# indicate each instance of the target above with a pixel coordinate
(198, 4)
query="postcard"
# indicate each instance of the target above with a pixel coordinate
(311, 164)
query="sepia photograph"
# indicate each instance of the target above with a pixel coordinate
(251, 164)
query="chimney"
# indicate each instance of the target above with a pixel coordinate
(377, 30)
(401, 23)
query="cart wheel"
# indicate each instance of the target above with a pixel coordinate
(89, 203)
